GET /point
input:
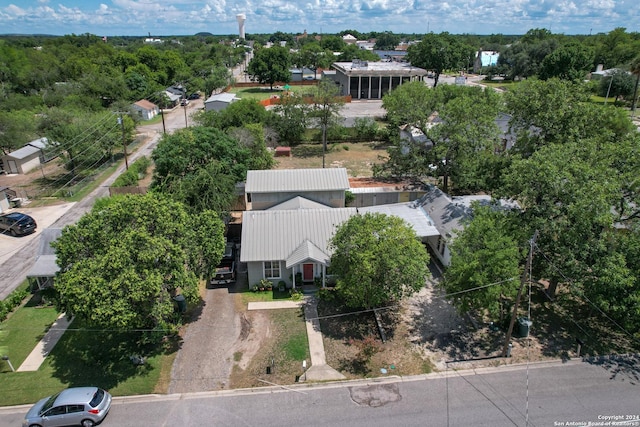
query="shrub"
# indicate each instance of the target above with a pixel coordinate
(296, 295)
(326, 294)
(367, 347)
(14, 299)
(136, 170)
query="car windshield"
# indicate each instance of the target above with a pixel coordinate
(97, 398)
(49, 403)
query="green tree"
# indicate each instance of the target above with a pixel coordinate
(387, 41)
(326, 108)
(485, 263)
(200, 166)
(313, 56)
(122, 263)
(618, 84)
(440, 52)
(270, 65)
(378, 259)
(569, 62)
(635, 70)
(290, 118)
(16, 129)
(237, 114)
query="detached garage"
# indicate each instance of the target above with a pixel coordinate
(22, 160)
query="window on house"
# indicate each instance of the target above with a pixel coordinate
(272, 269)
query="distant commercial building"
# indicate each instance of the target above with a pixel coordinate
(372, 80)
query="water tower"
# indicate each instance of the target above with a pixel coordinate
(241, 18)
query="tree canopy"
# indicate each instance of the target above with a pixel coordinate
(270, 65)
(378, 259)
(122, 263)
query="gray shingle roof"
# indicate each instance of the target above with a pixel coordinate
(292, 180)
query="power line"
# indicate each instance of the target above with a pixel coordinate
(582, 295)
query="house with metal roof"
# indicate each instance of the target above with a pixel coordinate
(219, 101)
(372, 80)
(44, 270)
(30, 156)
(267, 188)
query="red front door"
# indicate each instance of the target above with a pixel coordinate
(307, 272)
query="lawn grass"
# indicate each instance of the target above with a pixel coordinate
(282, 352)
(82, 357)
(22, 331)
(263, 92)
(262, 296)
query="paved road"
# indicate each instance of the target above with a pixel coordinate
(558, 394)
(18, 254)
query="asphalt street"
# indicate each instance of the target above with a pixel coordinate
(548, 394)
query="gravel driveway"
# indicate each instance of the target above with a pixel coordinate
(205, 359)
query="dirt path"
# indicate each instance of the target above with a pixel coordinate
(205, 359)
(225, 334)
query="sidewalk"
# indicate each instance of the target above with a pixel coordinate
(45, 345)
(319, 370)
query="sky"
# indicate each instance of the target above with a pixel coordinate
(188, 17)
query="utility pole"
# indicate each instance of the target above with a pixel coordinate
(523, 281)
(124, 141)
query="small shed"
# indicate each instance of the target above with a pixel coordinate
(146, 110)
(220, 101)
(23, 159)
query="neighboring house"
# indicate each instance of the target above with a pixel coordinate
(28, 157)
(365, 44)
(145, 109)
(412, 136)
(219, 101)
(373, 80)
(267, 188)
(287, 237)
(174, 99)
(485, 58)
(448, 214)
(43, 271)
(177, 90)
(349, 39)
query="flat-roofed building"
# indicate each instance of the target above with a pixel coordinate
(372, 80)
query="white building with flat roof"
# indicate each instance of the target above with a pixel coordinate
(372, 80)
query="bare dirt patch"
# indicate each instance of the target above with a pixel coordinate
(358, 158)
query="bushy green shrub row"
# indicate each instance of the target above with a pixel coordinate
(137, 170)
(14, 299)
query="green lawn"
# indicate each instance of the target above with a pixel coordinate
(261, 93)
(82, 357)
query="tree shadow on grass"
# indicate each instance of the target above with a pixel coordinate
(104, 358)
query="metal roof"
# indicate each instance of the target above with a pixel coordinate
(222, 97)
(298, 203)
(24, 152)
(412, 214)
(373, 68)
(45, 266)
(307, 251)
(276, 235)
(294, 180)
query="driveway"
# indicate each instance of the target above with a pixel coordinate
(205, 359)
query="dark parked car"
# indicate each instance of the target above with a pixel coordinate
(83, 406)
(17, 223)
(194, 96)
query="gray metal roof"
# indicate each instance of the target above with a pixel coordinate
(292, 180)
(298, 202)
(48, 236)
(45, 266)
(24, 152)
(308, 251)
(276, 235)
(222, 97)
(411, 213)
